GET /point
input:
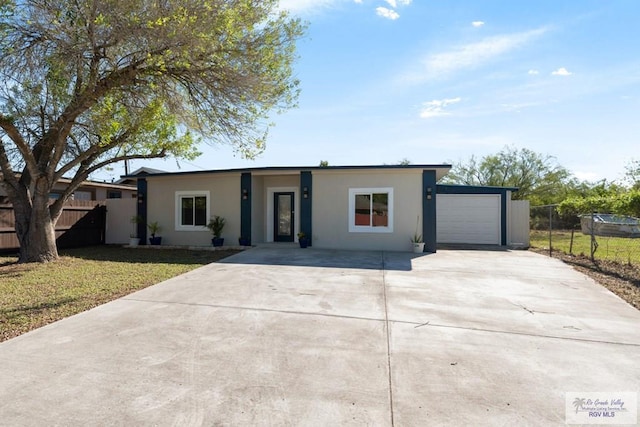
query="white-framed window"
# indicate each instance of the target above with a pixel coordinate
(371, 210)
(192, 210)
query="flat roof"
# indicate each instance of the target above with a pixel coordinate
(485, 188)
(294, 169)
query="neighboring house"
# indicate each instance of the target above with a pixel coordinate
(89, 190)
(130, 179)
(347, 207)
(96, 190)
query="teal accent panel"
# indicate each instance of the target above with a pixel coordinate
(141, 210)
(245, 205)
(429, 210)
(306, 198)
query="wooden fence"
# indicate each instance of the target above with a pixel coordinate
(82, 223)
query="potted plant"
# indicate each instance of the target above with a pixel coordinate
(154, 228)
(418, 244)
(216, 225)
(134, 241)
(244, 241)
(303, 240)
(416, 240)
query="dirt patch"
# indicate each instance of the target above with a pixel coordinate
(621, 279)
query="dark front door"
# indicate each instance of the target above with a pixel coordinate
(283, 216)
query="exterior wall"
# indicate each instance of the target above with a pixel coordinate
(119, 227)
(328, 210)
(331, 208)
(225, 196)
(519, 224)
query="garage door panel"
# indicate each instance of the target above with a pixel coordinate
(468, 218)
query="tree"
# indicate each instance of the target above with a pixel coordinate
(86, 83)
(538, 177)
(632, 174)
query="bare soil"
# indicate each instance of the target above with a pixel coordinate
(620, 278)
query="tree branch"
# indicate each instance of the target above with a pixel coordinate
(162, 153)
(12, 132)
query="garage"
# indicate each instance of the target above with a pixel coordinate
(469, 218)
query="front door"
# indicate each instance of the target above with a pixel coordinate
(283, 226)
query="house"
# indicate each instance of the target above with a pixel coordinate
(347, 207)
(130, 178)
(88, 190)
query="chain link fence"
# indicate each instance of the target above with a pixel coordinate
(600, 237)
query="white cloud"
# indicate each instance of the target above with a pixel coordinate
(533, 72)
(387, 13)
(436, 107)
(561, 72)
(477, 24)
(394, 3)
(469, 56)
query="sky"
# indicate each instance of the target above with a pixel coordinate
(436, 82)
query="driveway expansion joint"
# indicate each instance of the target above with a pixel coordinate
(388, 330)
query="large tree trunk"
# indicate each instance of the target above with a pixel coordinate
(35, 230)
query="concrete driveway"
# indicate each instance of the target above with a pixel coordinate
(285, 336)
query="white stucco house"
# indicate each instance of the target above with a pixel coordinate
(347, 207)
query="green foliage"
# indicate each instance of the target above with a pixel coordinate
(633, 173)
(324, 163)
(90, 83)
(538, 177)
(154, 228)
(216, 225)
(621, 202)
(136, 79)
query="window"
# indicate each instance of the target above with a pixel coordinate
(192, 210)
(114, 194)
(371, 210)
(83, 195)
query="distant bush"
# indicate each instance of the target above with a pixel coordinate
(627, 203)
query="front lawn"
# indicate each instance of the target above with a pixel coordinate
(33, 295)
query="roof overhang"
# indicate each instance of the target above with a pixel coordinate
(441, 170)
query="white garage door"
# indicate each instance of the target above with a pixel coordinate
(468, 218)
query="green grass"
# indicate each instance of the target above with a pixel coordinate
(33, 295)
(609, 248)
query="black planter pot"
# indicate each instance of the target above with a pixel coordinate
(155, 240)
(217, 241)
(304, 242)
(244, 241)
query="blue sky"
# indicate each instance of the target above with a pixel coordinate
(438, 81)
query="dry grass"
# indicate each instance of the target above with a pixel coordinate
(33, 295)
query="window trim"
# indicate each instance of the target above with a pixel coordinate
(178, 212)
(353, 192)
